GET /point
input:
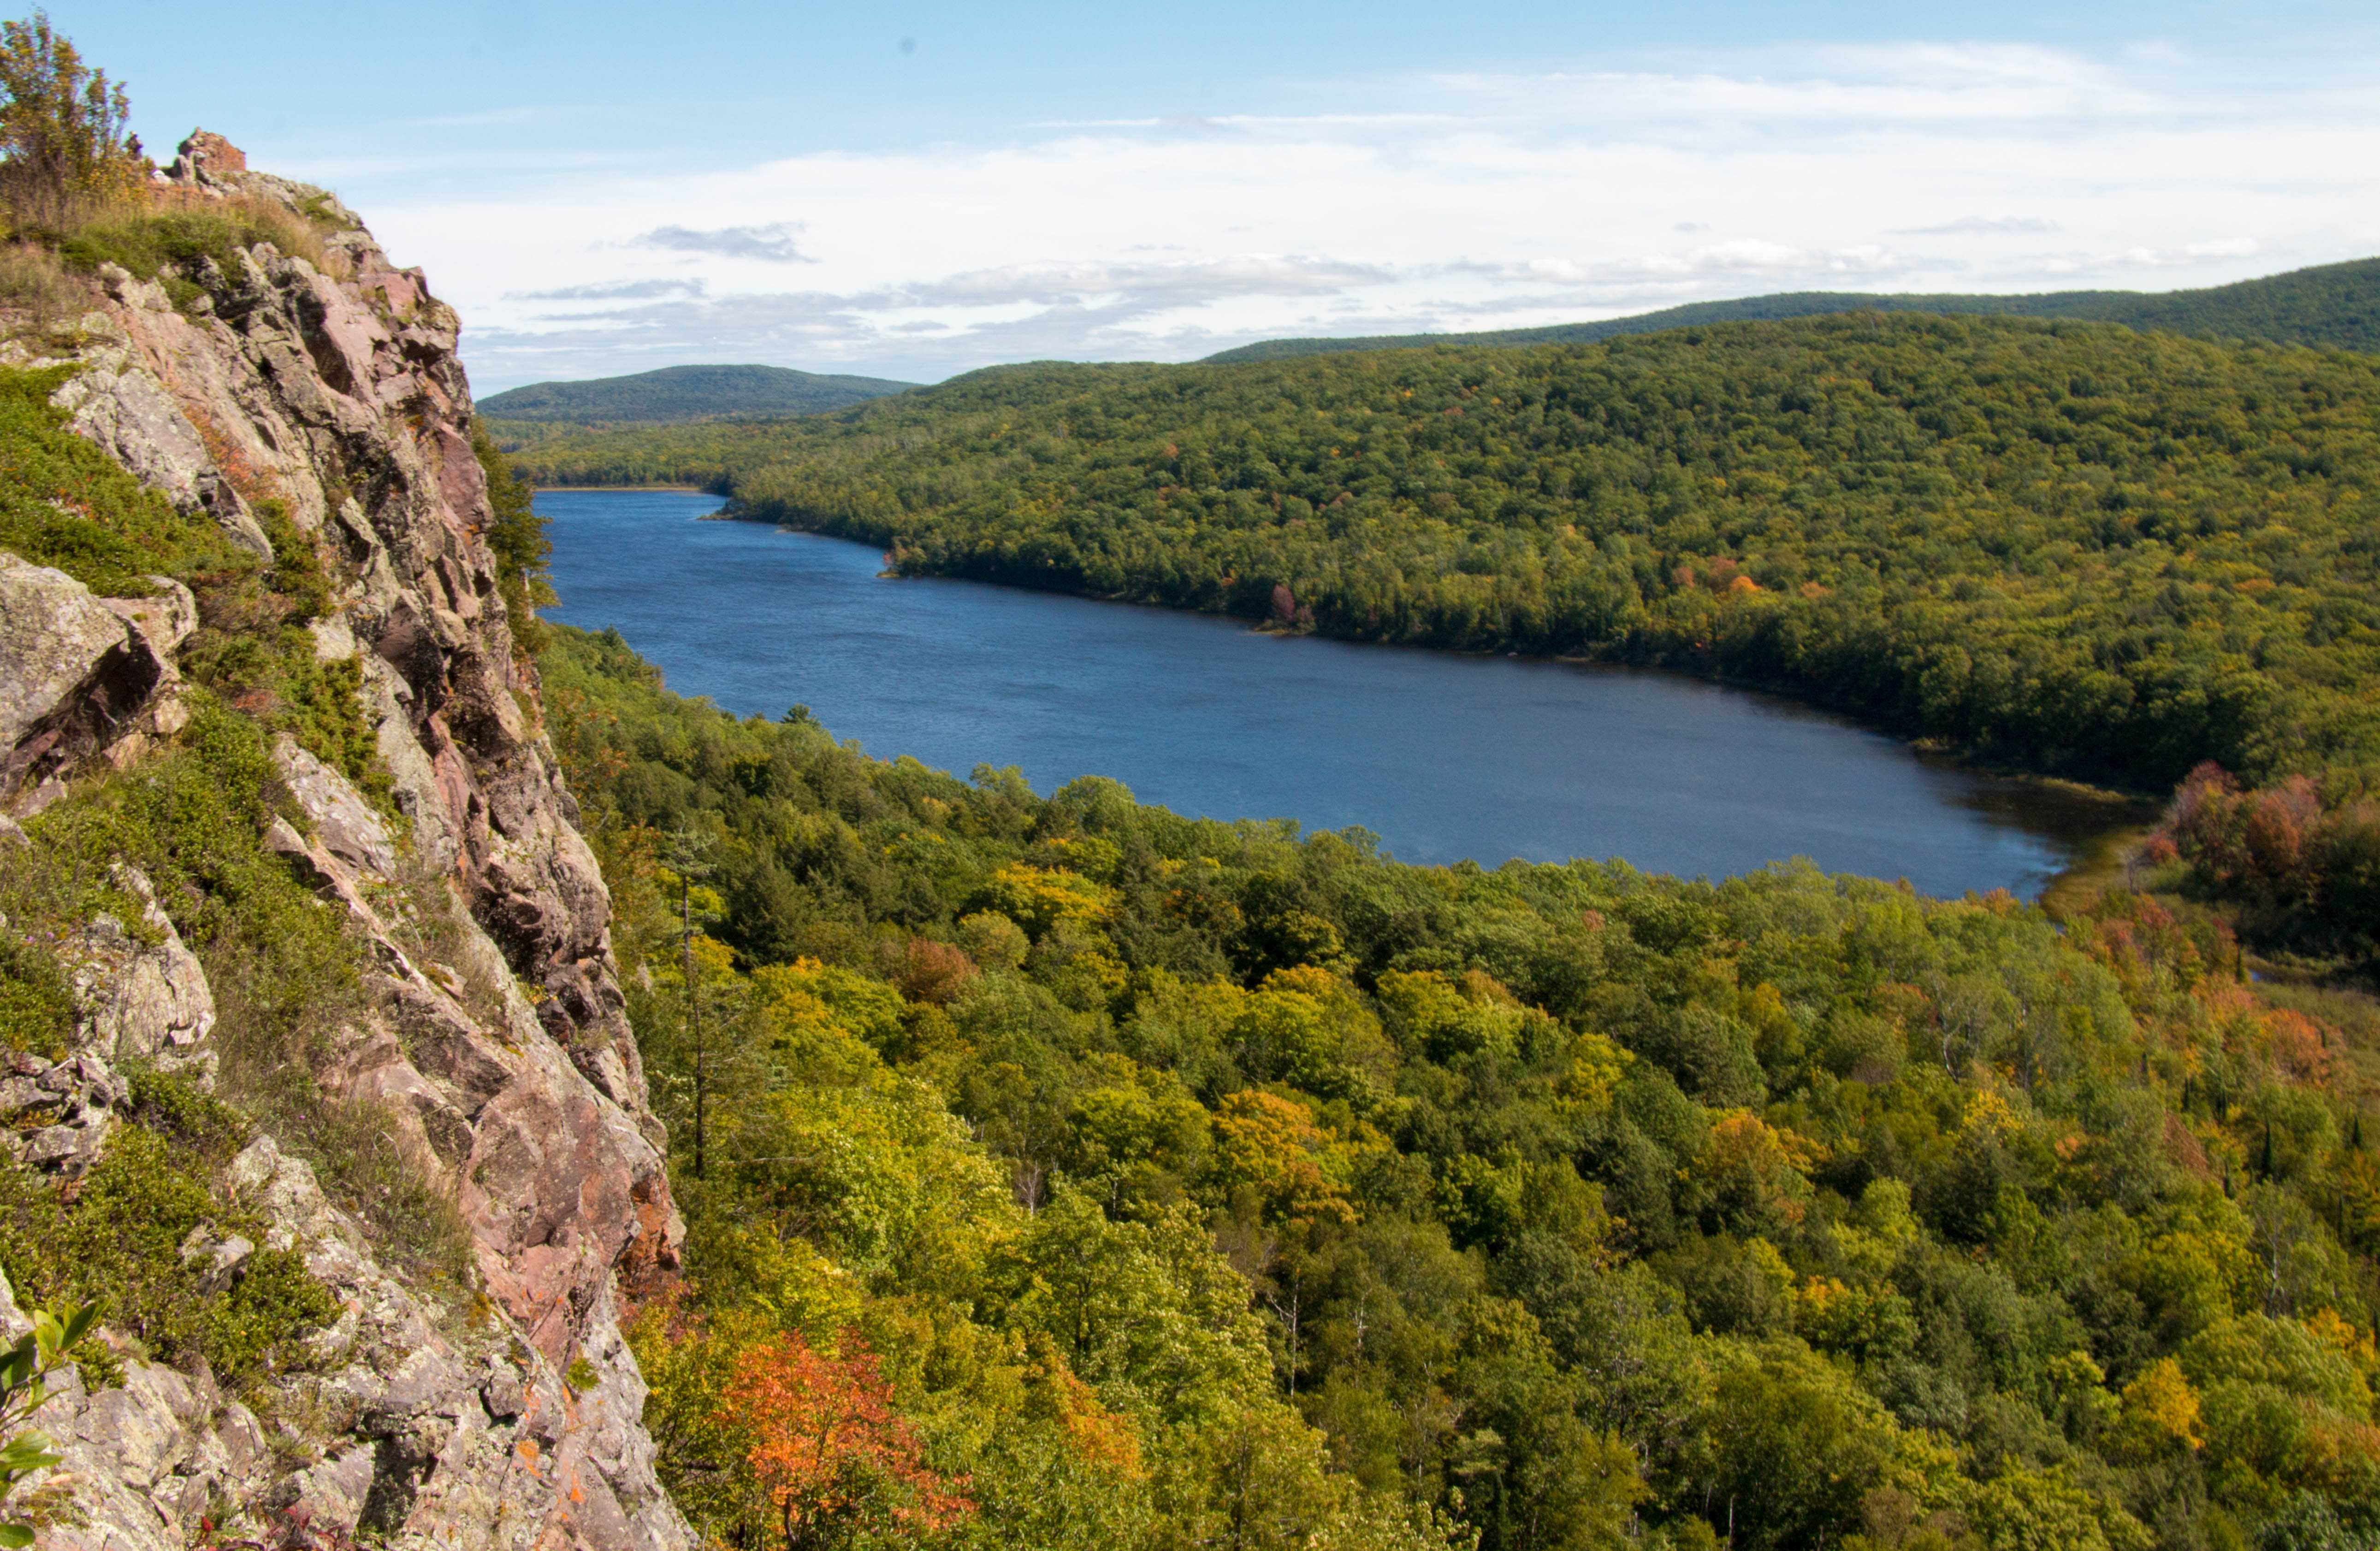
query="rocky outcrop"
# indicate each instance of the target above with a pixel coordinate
(140, 998)
(414, 1425)
(495, 1034)
(54, 637)
(125, 409)
(58, 1113)
(207, 159)
(78, 674)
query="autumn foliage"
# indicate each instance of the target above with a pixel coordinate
(1256, 1192)
(1269, 1146)
(828, 1448)
(933, 972)
(2303, 862)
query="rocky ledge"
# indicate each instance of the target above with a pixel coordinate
(336, 392)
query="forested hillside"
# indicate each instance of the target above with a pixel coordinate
(672, 396)
(1128, 1180)
(2066, 546)
(2328, 305)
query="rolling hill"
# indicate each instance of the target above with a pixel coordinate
(671, 395)
(2330, 304)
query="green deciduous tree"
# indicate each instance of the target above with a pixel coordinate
(64, 141)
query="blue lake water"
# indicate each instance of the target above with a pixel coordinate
(1444, 756)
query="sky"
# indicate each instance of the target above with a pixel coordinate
(915, 190)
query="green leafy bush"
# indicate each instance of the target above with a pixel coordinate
(24, 1389)
(65, 144)
(64, 503)
(279, 960)
(36, 1008)
(517, 538)
(115, 1242)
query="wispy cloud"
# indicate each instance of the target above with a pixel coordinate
(622, 290)
(769, 244)
(1473, 201)
(1187, 284)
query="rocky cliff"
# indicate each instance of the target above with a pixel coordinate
(331, 393)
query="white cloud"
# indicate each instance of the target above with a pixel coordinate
(1171, 284)
(770, 244)
(1972, 225)
(2182, 256)
(1480, 201)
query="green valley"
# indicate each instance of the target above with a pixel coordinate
(461, 1094)
(2065, 546)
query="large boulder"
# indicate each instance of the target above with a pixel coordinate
(77, 673)
(207, 158)
(139, 995)
(127, 410)
(55, 639)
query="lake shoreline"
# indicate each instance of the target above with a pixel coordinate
(1929, 749)
(633, 489)
(1446, 756)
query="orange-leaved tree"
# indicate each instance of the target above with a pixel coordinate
(828, 1448)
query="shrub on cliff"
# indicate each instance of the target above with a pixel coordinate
(66, 503)
(80, 194)
(116, 1240)
(173, 245)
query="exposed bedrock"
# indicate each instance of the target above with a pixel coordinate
(506, 1063)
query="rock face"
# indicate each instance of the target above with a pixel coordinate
(80, 673)
(140, 1000)
(507, 1063)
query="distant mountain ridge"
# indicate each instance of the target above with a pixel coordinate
(2336, 305)
(676, 395)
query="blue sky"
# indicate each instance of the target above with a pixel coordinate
(917, 189)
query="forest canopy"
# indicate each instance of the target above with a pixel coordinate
(2335, 305)
(671, 395)
(1114, 1179)
(2064, 547)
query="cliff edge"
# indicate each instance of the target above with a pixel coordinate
(321, 404)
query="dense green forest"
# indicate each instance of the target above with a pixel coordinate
(1161, 1182)
(2330, 304)
(2064, 547)
(672, 396)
